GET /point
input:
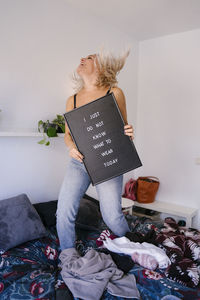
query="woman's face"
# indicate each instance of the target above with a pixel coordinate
(88, 65)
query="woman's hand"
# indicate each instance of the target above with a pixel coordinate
(73, 152)
(128, 130)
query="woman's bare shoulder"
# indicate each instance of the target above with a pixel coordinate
(120, 98)
(70, 103)
(116, 89)
(119, 94)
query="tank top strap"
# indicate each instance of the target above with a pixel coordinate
(74, 100)
(108, 91)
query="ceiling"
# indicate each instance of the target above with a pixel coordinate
(144, 19)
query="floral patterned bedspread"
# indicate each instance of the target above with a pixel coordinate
(31, 270)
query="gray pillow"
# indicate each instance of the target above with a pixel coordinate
(19, 222)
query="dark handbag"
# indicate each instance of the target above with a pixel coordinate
(130, 189)
(147, 188)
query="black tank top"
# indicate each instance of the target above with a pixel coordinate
(75, 97)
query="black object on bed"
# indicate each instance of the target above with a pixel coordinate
(88, 216)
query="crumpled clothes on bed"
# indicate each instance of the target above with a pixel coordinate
(182, 245)
(87, 277)
(185, 272)
(124, 245)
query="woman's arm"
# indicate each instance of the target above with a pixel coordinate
(73, 152)
(121, 101)
(68, 139)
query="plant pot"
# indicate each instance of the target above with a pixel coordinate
(47, 126)
(58, 129)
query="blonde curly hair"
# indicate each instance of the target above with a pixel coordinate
(109, 67)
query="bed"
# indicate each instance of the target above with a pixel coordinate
(31, 269)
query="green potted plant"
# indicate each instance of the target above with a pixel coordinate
(50, 129)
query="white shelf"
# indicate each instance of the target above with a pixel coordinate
(172, 209)
(127, 205)
(25, 134)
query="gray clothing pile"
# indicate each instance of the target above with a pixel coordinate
(87, 277)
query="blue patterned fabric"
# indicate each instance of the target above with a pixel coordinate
(30, 271)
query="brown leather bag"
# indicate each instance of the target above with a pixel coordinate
(147, 188)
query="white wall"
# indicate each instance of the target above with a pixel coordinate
(41, 44)
(168, 125)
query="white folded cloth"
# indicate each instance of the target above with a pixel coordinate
(124, 245)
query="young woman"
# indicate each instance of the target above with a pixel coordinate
(96, 77)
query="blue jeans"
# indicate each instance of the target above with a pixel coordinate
(74, 186)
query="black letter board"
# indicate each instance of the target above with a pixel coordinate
(97, 129)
